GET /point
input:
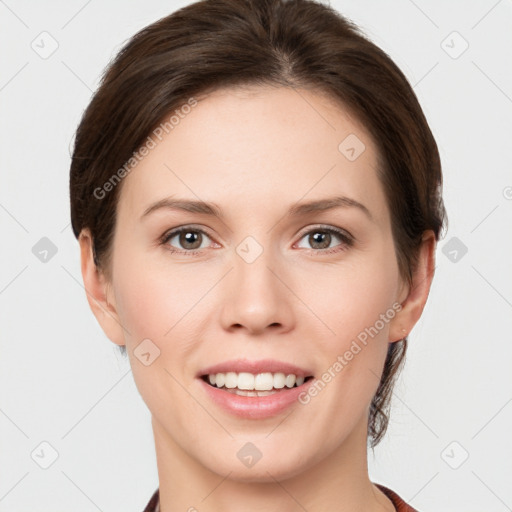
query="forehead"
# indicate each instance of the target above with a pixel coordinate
(254, 146)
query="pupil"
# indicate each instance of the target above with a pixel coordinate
(318, 235)
(188, 238)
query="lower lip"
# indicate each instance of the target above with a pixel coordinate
(255, 407)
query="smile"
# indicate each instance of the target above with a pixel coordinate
(241, 395)
(248, 384)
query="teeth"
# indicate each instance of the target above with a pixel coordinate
(231, 380)
(250, 382)
(243, 392)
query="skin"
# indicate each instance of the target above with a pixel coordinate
(255, 152)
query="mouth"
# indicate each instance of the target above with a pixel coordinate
(255, 385)
(256, 389)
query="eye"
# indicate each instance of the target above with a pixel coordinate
(321, 237)
(190, 238)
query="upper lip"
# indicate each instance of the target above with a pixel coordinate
(255, 367)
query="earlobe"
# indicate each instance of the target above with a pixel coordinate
(412, 306)
(97, 291)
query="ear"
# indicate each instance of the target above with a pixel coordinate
(413, 298)
(97, 288)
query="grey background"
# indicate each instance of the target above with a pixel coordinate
(62, 381)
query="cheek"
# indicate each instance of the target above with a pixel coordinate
(356, 304)
(140, 307)
(153, 300)
(353, 299)
(161, 310)
(352, 304)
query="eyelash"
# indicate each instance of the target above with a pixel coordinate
(347, 240)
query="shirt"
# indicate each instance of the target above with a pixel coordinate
(399, 504)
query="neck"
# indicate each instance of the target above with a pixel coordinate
(339, 482)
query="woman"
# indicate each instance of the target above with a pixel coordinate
(257, 198)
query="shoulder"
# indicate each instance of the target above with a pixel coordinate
(398, 502)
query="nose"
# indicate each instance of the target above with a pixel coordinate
(256, 295)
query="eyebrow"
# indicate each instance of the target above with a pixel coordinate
(214, 210)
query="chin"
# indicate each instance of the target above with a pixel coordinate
(267, 469)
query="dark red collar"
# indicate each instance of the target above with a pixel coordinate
(400, 505)
(398, 502)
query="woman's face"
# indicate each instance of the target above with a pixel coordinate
(265, 280)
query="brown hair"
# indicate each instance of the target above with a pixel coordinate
(212, 44)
